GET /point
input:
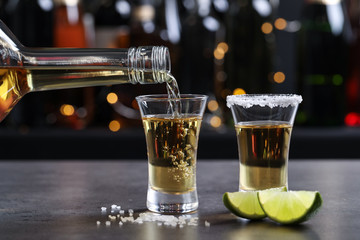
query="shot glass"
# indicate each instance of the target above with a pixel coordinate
(172, 141)
(263, 125)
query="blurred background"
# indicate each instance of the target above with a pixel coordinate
(217, 47)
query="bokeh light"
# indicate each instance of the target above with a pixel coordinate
(114, 125)
(219, 53)
(213, 105)
(220, 50)
(279, 77)
(238, 91)
(352, 119)
(266, 28)
(280, 24)
(67, 110)
(215, 121)
(112, 98)
(224, 46)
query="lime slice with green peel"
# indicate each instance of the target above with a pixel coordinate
(244, 204)
(290, 207)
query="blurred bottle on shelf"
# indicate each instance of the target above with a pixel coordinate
(200, 25)
(32, 22)
(251, 40)
(202, 30)
(352, 117)
(69, 27)
(156, 22)
(248, 50)
(112, 19)
(71, 31)
(322, 62)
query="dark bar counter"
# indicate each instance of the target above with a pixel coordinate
(306, 143)
(63, 199)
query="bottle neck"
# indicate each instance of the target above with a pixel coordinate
(148, 65)
(144, 65)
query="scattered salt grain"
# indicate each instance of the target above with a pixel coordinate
(160, 220)
(127, 219)
(192, 224)
(193, 221)
(131, 212)
(139, 221)
(168, 220)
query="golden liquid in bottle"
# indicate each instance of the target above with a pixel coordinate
(13, 85)
(172, 147)
(263, 151)
(15, 82)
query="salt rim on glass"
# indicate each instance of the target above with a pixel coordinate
(263, 100)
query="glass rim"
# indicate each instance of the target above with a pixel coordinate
(165, 97)
(263, 100)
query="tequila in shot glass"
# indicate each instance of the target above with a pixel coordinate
(263, 125)
(172, 129)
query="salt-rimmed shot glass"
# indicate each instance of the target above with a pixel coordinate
(263, 125)
(172, 142)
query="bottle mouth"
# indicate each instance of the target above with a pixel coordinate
(149, 64)
(161, 59)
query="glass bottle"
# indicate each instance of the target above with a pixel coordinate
(352, 117)
(249, 62)
(197, 70)
(68, 21)
(323, 44)
(112, 19)
(156, 22)
(24, 70)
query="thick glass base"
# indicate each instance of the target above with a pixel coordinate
(243, 189)
(171, 203)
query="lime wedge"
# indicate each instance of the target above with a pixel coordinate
(244, 204)
(290, 207)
